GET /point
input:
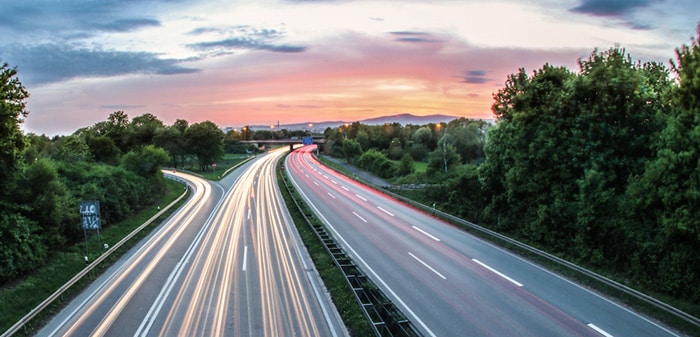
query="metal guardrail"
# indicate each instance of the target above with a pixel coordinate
(386, 319)
(600, 278)
(28, 317)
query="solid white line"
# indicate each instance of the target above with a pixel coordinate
(345, 188)
(245, 257)
(331, 195)
(427, 266)
(498, 273)
(357, 215)
(599, 330)
(385, 211)
(426, 233)
(361, 197)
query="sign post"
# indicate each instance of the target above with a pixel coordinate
(90, 219)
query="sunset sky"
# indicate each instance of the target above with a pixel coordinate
(260, 62)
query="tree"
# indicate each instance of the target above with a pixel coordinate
(172, 140)
(363, 139)
(395, 151)
(72, 149)
(351, 149)
(405, 165)
(116, 128)
(146, 161)
(142, 129)
(664, 221)
(12, 114)
(103, 149)
(206, 142)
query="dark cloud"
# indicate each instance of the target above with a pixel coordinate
(66, 20)
(609, 7)
(475, 77)
(127, 25)
(245, 43)
(414, 37)
(49, 63)
(245, 37)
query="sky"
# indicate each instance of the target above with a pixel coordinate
(266, 62)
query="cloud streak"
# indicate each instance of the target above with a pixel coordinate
(50, 63)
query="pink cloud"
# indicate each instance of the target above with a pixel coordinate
(350, 77)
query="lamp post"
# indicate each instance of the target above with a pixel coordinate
(444, 146)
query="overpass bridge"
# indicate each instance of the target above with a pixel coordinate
(287, 141)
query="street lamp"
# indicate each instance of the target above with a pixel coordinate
(444, 147)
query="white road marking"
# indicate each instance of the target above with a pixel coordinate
(248, 214)
(426, 233)
(315, 183)
(361, 197)
(599, 330)
(357, 215)
(331, 195)
(345, 188)
(385, 211)
(427, 266)
(333, 181)
(245, 257)
(364, 263)
(498, 273)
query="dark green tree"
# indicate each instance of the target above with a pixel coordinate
(12, 114)
(146, 161)
(351, 150)
(405, 165)
(206, 142)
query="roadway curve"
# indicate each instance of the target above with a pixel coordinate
(446, 281)
(228, 263)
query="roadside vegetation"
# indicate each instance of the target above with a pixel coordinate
(598, 166)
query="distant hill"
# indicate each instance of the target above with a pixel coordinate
(403, 119)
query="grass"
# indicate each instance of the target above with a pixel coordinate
(20, 298)
(230, 160)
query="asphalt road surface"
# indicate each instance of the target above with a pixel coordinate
(228, 263)
(448, 282)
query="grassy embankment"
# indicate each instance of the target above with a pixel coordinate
(19, 298)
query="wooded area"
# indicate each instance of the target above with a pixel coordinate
(599, 166)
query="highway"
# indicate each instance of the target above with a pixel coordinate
(228, 263)
(446, 281)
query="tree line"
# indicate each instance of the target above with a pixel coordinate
(600, 166)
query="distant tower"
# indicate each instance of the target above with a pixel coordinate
(278, 124)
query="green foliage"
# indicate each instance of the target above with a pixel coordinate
(206, 142)
(405, 165)
(351, 149)
(377, 163)
(12, 112)
(146, 161)
(103, 149)
(22, 249)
